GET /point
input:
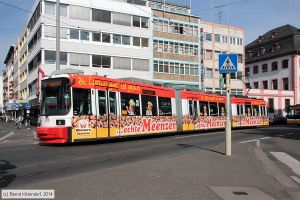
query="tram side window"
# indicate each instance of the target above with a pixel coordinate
(222, 110)
(255, 111)
(213, 109)
(82, 102)
(248, 110)
(165, 106)
(190, 107)
(203, 108)
(262, 110)
(130, 104)
(102, 102)
(149, 105)
(112, 103)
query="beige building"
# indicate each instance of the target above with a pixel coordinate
(216, 39)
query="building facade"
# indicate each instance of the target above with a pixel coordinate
(218, 39)
(176, 46)
(104, 37)
(273, 68)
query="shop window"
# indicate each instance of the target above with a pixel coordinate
(130, 104)
(149, 105)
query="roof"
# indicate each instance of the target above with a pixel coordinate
(279, 32)
(171, 3)
(281, 41)
(9, 53)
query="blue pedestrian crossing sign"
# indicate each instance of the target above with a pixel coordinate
(27, 106)
(228, 63)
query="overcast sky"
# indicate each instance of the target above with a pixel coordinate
(256, 16)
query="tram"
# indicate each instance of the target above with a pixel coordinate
(78, 108)
(293, 116)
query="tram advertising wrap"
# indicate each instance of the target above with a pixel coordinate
(78, 108)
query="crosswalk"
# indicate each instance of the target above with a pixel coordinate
(291, 162)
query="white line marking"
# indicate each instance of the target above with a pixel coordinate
(187, 136)
(6, 136)
(254, 140)
(296, 179)
(288, 160)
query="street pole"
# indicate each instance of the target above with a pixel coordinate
(57, 34)
(228, 116)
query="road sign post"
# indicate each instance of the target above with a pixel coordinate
(227, 65)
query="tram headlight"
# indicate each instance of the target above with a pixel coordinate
(60, 122)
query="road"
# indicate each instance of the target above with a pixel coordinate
(24, 162)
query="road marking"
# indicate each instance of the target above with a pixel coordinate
(254, 140)
(296, 179)
(6, 136)
(288, 160)
(188, 136)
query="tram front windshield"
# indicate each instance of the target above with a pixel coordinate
(293, 114)
(55, 97)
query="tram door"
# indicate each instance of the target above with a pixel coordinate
(106, 114)
(193, 112)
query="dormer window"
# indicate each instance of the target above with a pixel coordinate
(274, 34)
(260, 38)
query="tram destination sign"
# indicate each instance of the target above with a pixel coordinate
(228, 63)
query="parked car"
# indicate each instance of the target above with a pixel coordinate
(278, 120)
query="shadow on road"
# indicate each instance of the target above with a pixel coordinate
(6, 177)
(205, 149)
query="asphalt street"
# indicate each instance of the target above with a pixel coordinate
(23, 162)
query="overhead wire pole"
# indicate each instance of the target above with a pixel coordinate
(57, 34)
(228, 102)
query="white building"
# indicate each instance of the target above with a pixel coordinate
(104, 37)
(273, 68)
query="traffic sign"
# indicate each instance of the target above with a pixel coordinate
(228, 63)
(27, 106)
(17, 106)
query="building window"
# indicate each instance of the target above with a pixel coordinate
(208, 73)
(78, 12)
(84, 35)
(265, 68)
(101, 61)
(50, 8)
(287, 103)
(140, 64)
(125, 40)
(32, 87)
(240, 58)
(74, 34)
(285, 83)
(208, 54)
(36, 61)
(50, 57)
(255, 84)
(121, 63)
(275, 84)
(247, 71)
(122, 19)
(117, 39)
(77, 59)
(106, 37)
(217, 37)
(35, 39)
(271, 105)
(274, 66)
(248, 85)
(101, 15)
(265, 85)
(255, 69)
(96, 37)
(285, 64)
(208, 37)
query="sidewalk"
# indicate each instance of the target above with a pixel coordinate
(195, 174)
(9, 133)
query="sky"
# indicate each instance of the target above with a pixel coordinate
(255, 16)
